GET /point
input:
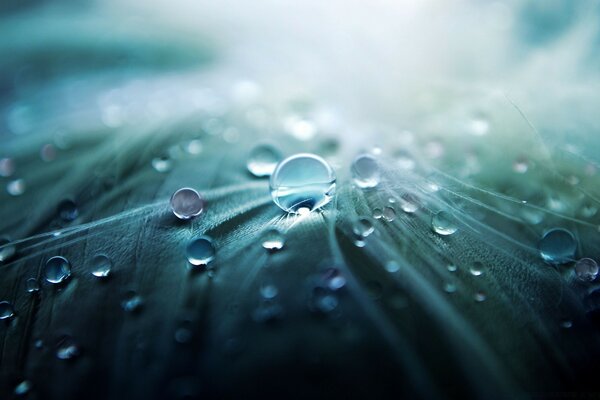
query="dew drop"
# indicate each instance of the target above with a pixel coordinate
(7, 249)
(186, 203)
(7, 311)
(586, 269)
(557, 246)
(333, 279)
(67, 348)
(476, 269)
(443, 223)
(409, 203)
(479, 296)
(269, 291)
(363, 228)
(302, 182)
(449, 288)
(262, 160)
(452, 268)
(392, 266)
(32, 285)
(57, 270)
(566, 324)
(520, 166)
(23, 388)
(365, 171)
(479, 125)
(67, 210)
(377, 213)
(273, 240)
(132, 302)
(162, 164)
(200, 251)
(16, 187)
(322, 301)
(7, 167)
(101, 266)
(48, 153)
(389, 214)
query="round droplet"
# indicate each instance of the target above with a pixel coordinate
(365, 171)
(363, 228)
(187, 203)
(389, 214)
(16, 187)
(273, 240)
(333, 279)
(262, 160)
(377, 213)
(200, 251)
(67, 210)
(48, 152)
(7, 249)
(557, 246)
(586, 269)
(23, 388)
(132, 302)
(7, 310)
(67, 348)
(57, 270)
(452, 268)
(520, 166)
(269, 291)
(566, 324)
(322, 301)
(392, 266)
(32, 285)
(479, 296)
(193, 147)
(476, 269)
(409, 203)
(162, 164)
(449, 288)
(7, 167)
(303, 182)
(443, 223)
(101, 266)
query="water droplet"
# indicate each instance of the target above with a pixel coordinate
(452, 268)
(303, 181)
(67, 210)
(479, 125)
(365, 171)
(57, 270)
(450, 288)
(377, 213)
(333, 279)
(162, 164)
(409, 203)
(476, 269)
(16, 187)
(322, 301)
(557, 246)
(301, 129)
(7, 310)
(187, 203)
(389, 214)
(363, 228)
(392, 266)
(132, 302)
(67, 348)
(200, 251)
(48, 153)
(23, 388)
(32, 285)
(269, 291)
(521, 165)
(586, 269)
(193, 147)
(405, 160)
(262, 160)
(7, 250)
(101, 266)
(479, 296)
(273, 240)
(566, 324)
(443, 223)
(7, 167)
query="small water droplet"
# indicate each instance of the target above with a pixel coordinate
(101, 266)
(392, 266)
(193, 147)
(479, 125)
(566, 324)
(476, 269)
(186, 203)
(57, 270)
(273, 240)
(67, 210)
(409, 203)
(443, 223)
(557, 246)
(365, 171)
(363, 228)
(32, 285)
(377, 213)
(162, 164)
(322, 301)
(450, 288)
(23, 388)
(16, 187)
(269, 291)
(262, 160)
(479, 296)
(452, 268)
(521, 165)
(200, 251)
(303, 181)
(48, 153)
(132, 302)
(405, 160)
(586, 269)
(67, 348)
(7, 311)
(389, 214)
(7, 167)
(7, 249)
(333, 279)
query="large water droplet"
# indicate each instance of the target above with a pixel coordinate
(557, 246)
(7, 311)
(67, 210)
(586, 269)
(200, 251)
(101, 266)
(262, 160)
(365, 171)
(57, 270)
(443, 223)
(363, 228)
(273, 239)
(187, 203)
(7, 249)
(302, 182)
(67, 348)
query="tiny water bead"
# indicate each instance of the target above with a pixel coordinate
(32, 285)
(269, 291)
(409, 203)
(7, 250)
(200, 251)
(449, 288)
(132, 302)
(392, 266)
(186, 203)
(67, 348)
(262, 160)
(363, 228)
(333, 279)
(23, 388)
(389, 214)
(273, 240)
(586, 269)
(479, 296)
(16, 187)
(162, 164)
(301, 183)
(67, 210)
(377, 213)
(101, 266)
(365, 171)
(443, 223)
(57, 270)
(557, 246)
(7, 310)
